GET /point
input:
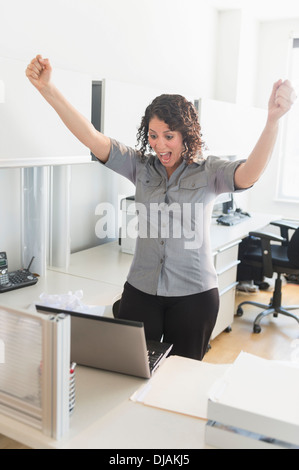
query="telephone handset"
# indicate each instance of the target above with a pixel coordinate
(4, 279)
(16, 279)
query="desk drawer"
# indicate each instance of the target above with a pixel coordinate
(226, 310)
(227, 276)
(226, 256)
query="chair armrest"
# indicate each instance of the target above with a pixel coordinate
(284, 224)
(267, 236)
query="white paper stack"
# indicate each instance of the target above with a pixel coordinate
(255, 405)
(181, 385)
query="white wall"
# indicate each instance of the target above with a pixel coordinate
(228, 55)
(167, 44)
(236, 61)
(162, 44)
(155, 44)
(274, 43)
(252, 56)
(10, 221)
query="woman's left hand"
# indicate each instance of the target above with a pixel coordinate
(281, 100)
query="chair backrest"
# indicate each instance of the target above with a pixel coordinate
(293, 248)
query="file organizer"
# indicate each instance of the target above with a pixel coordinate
(255, 405)
(35, 376)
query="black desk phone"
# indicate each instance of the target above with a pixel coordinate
(16, 279)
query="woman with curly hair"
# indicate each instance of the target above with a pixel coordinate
(172, 284)
(179, 115)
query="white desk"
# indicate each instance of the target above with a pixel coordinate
(95, 292)
(104, 416)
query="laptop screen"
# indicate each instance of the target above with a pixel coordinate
(106, 343)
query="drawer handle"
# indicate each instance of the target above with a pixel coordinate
(227, 247)
(234, 284)
(227, 268)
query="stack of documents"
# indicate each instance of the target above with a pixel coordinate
(181, 385)
(255, 405)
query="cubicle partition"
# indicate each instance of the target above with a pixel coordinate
(35, 370)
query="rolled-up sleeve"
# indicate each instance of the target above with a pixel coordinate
(122, 160)
(222, 174)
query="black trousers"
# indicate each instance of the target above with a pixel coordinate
(186, 322)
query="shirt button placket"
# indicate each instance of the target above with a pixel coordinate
(162, 243)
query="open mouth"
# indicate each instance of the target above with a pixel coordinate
(165, 157)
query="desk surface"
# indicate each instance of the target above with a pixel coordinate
(104, 416)
(94, 292)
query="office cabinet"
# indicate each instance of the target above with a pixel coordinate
(227, 277)
(226, 263)
(225, 255)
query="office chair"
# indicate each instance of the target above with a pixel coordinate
(282, 258)
(115, 308)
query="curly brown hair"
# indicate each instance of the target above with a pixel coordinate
(180, 115)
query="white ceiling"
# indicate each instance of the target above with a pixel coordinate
(262, 9)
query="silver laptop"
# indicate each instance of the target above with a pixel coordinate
(112, 344)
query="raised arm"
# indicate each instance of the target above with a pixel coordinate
(39, 73)
(280, 102)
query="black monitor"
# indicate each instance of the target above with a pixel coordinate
(224, 203)
(96, 108)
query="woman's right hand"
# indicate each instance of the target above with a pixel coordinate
(39, 72)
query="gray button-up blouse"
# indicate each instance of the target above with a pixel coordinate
(173, 254)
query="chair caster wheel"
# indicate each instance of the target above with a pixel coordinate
(256, 329)
(239, 312)
(228, 329)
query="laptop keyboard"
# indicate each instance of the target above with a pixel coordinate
(153, 358)
(155, 352)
